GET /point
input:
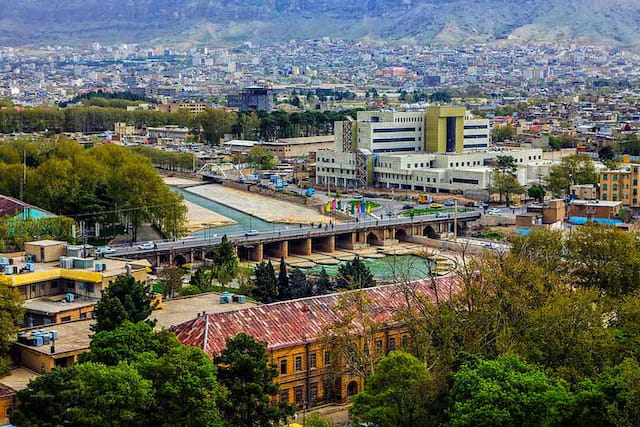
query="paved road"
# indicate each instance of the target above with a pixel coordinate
(290, 232)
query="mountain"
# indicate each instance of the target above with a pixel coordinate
(419, 21)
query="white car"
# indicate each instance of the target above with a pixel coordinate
(106, 250)
(147, 245)
(252, 233)
(494, 211)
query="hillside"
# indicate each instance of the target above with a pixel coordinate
(421, 21)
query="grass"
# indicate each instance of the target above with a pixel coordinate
(490, 235)
(369, 203)
(427, 211)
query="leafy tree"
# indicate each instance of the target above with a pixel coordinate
(505, 184)
(284, 289)
(265, 283)
(323, 284)
(225, 262)
(11, 313)
(536, 192)
(607, 153)
(249, 123)
(261, 158)
(572, 170)
(604, 258)
(399, 393)
(200, 279)
(214, 123)
(87, 394)
(355, 275)
(130, 342)
(502, 133)
(171, 280)
(124, 299)
(248, 376)
(187, 391)
(299, 285)
(505, 392)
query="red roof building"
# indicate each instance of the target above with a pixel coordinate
(291, 330)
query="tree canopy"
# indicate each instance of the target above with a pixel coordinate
(125, 299)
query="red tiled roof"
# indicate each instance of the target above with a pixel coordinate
(295, 322)
(6, 392)
(10, 206)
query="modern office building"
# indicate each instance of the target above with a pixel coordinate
(253, 98)
(440, 149)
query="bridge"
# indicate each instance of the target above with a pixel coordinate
(305, 240)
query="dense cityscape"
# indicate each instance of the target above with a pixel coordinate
(319, 232)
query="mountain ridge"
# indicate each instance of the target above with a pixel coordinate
(418, 21)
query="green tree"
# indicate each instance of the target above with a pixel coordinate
(284, 288)
(225, 263)
(536, 192)
(604, 258)
(130, 342)
(124, 299)
(323, 284)
(299, 285)
(171, 280)
(87, 394)
(11, 313)
(249, 123)
(261, 158)
(214, 123)
(502, 133)
(248, 376)
(505, 184)
(265, 284)
(399, 393)
(200, 279)
(355, 275)
(506, 392)
(572, 170)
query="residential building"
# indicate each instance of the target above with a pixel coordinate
(298, 147)
(170, 134)
(309, 373)
(592, 209)
(621, 186)
(253, 98)
(192, 107)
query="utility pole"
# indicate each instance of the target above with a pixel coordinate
(455, 220)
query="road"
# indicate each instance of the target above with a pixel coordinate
(290, 232)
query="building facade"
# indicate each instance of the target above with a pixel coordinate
(622, 186)
(253, 98)
(310, 372)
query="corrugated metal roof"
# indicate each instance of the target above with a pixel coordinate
(295, 322)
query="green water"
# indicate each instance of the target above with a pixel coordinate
(393, 267)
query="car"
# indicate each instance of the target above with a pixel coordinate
(470, 204)
(494, 211)
(449, 203)
(251, 233)
(356, 196)
(105, 250)
(405, 207)
(147, 246)
(436, 205)
(514, 205)
(442, 215)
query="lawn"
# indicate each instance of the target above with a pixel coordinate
(428, 211)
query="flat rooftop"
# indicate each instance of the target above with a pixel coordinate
(18, 379)
(605, 203)
(56, 304)
(75, 336)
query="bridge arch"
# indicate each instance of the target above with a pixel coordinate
(430, 232)
(179, 260)
(402, 235)
(373, 237)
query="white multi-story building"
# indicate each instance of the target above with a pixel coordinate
(440, 149)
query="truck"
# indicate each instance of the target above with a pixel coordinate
(423, 199)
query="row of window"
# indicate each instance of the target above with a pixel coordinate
(476, 136)
(389, 130)
(398, 139)
(297, 362)
(476, 126)
(298, 394)
(393, 150)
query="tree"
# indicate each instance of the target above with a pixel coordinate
(284, 289)
(171, 280)
(355, 275)
(225, 263)
(11, 313)
(323, 284)
(124, 299)
(261, 158)
(536, 192)
(200, 279)
(299, 285)
(86, 394)
(507, 391)
(507, 184)
(604, 258)
(186, 388)
(399, 393)
(130, 342)
(215, 123)
(249, 123)
(572, 170)
(502, 133)
(607, 153)
(248, 376)
(265, 283)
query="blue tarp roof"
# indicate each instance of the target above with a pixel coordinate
(580, 220)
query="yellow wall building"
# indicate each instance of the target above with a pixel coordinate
(445, 129)
(621, 186)
(309, 372)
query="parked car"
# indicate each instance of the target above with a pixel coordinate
(105, 250)
(442, 215)
(356, 196)
(251, 233)
(436, 205)
(405, 207)
(494, 211)
(449, 203)
(147, 246)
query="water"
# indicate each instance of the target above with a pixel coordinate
(391, 267)
(244, 221)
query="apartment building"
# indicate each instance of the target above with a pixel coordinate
(310, 373)
(621, 186)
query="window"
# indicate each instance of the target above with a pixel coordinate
(284, 395)
(66, 319)
(378, 346)
(83, 315)
(327, 358)
(604, 187)
(405, 342)
(283, 367)
(298, 363)
(313, 393)
(615, 176)
(297, 395)
(54, 284)
(392, 344)
(312, 360)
